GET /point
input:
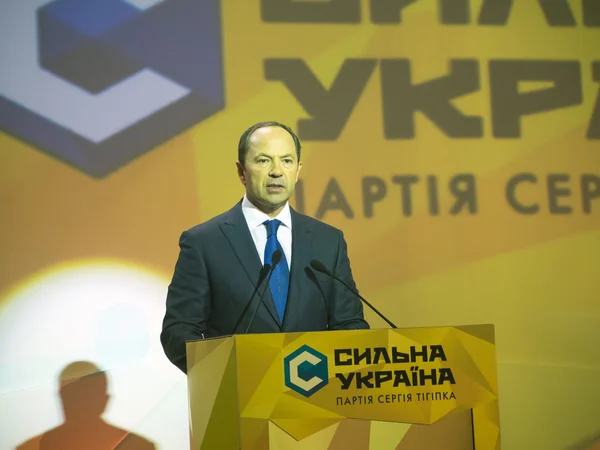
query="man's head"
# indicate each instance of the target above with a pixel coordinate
(83, 391)
(269, 165)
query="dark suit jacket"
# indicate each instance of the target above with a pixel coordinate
(218, 268)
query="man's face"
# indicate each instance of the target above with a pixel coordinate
(270, 170)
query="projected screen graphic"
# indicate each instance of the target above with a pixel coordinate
(456, 145)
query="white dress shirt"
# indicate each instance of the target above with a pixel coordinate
(255, 219)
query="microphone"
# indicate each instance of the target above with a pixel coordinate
(320, 267)
(312, 277)
(264, 271)
(274, 261)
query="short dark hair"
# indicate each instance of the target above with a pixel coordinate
(245, 138)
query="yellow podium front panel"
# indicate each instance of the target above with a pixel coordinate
(389, 389)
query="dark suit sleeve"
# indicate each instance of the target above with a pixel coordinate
(188, 302)
(346, 310)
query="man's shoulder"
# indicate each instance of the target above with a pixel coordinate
(316, 225)
(212, 225)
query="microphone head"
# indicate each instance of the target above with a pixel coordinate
(264, 271)
(319, 266)
(276, 258)
(310, 274)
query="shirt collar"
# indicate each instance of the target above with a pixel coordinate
(255, 217)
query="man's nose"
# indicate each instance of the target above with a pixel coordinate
(276, 170)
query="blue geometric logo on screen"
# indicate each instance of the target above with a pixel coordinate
(97, 83)
(305, 371)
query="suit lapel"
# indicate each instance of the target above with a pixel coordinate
(236, 231)
(301, 242)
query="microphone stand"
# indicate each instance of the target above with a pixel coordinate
(319, 266)
(274, 261)
(265, 270)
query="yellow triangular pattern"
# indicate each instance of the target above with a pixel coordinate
(223, 427)
(256, 354)
(254, 433)
(299, 418)
(484, 332)
(483, 355)
(204, 380)
(300, 429)
(469, 363)
(387, 435)
(290, 406)
(280, 440)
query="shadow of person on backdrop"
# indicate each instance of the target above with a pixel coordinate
(84, 397)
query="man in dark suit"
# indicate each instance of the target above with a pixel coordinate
(220, 260)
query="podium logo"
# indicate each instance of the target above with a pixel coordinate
(98, 83)
(306, 371)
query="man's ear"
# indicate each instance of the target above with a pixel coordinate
(241, 173)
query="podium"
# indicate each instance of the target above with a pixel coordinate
(389, 389)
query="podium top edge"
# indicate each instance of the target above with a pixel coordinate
(400, 329)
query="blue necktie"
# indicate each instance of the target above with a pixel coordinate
(280, 279)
